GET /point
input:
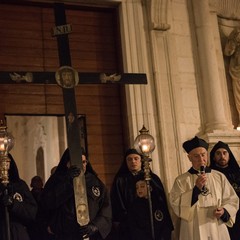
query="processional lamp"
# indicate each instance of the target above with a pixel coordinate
(6, 144)
(144, 144)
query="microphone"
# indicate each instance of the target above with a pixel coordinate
(202, 171)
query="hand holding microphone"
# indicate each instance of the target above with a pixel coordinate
(202, 179)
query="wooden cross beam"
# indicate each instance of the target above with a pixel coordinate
(7, 77)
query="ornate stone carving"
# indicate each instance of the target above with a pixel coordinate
(232, 49)
(158, 11)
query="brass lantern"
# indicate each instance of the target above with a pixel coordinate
(6, 144)
(144, 144)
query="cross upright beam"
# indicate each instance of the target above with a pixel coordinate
(73, 136)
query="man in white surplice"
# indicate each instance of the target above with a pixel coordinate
(202, 198)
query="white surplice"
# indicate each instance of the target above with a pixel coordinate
(197, 221)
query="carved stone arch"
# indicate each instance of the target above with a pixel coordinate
(158, 12)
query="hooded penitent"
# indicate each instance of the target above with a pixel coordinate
(62, 166)
(232, 172)
(123, 194)
(232, 161)
(20, 205)
(124, 168)
(58, 199)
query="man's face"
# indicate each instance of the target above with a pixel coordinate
(84, 161)
(133, 162)
(221, 157)
(198, 156)
(141, 189)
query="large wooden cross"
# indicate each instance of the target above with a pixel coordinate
(61, 31)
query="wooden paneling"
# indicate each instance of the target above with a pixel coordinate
(26, 44)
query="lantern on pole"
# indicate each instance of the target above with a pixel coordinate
(144, 144)
(6, 144)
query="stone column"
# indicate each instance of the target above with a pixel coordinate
(211, 93)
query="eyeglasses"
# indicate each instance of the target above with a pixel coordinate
(84, 161)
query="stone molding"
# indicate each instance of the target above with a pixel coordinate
(229, 9)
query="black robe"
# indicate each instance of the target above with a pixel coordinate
(232, 173)
(24, 208)
(123, 195)
(140, 224)
(58, 198)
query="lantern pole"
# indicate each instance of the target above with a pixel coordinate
(144, 144)
(6, 144)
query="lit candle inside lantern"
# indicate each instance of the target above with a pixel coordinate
(2, 145)
(145, 148)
